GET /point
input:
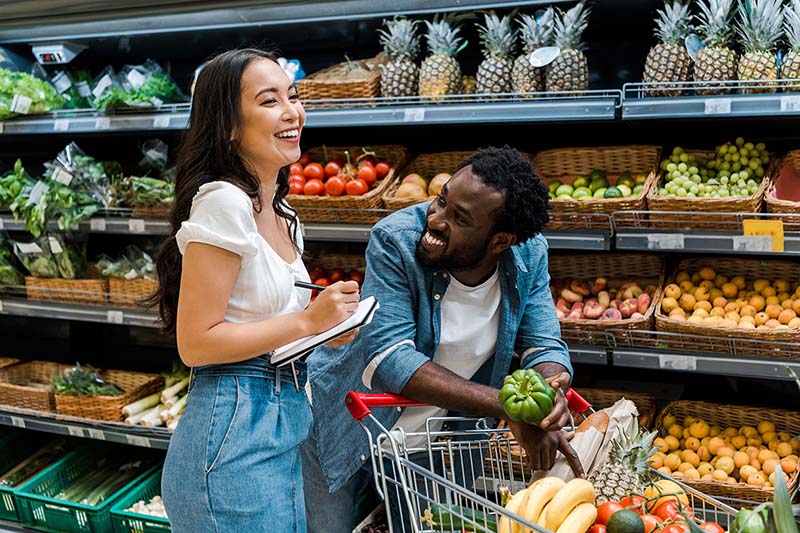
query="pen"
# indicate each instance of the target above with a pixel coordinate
(304, 285)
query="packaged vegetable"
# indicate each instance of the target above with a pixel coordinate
(25, 94)
(84, 381)
(37, 258)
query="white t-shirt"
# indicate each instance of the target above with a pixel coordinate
(222, 216)
(469, 320)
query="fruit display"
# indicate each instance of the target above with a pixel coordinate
(601, 299)
(553, 504)
(716, 61)
(570, 70)
(399, 76)
(326, 276)
(736, 170)
(498, 40)
(760, 28)
(416, 186)
(706, 297)
(440, 72)
(355, 174)
(534, 34)
(790, 63)
(596, 185)
(669, 61)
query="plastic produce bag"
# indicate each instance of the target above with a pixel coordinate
(36, 258)
(69, 255)
(156, 153)
(12, 183)
(10, 275)
(136, 86)
(81, 173)
(25, 94)
(74, 88)
(133, 264)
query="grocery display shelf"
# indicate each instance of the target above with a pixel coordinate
(83, 313)
(117, 432)
(13, 527)
(166, 117)
(681, 101)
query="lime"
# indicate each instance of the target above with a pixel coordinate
(627, 180)
(599, 183)
(564, 189)
(597, 174)
(564, 197)
(600, 193)
(641, 179)
(580, 181)
(639, 188)
(582, 192)
(553, 185)
(613, 192)
(625, 190)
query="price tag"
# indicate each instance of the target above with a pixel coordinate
(136, 225)
(21, 104)
(97, 224)
(115, 317)
(665, 241)
(62, 176)
(55, 246)
(1, 306)
(1, 126)
(37, 192)
(765, 228)
(752, 243)
(17, 422)
(96, 434)
(718, 106)
(83, 89)
(677, 362)
(161, 122)
(136, 440)
(61, 124)
(28, 248)
(101, 86)
(102, 123)
(136, 78)
(790, 104)
(1, 223)
(414, 115)
(61, 82)
(75, 431)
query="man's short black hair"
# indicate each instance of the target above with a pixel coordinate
(527, 198)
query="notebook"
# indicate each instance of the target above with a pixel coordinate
(299, 348)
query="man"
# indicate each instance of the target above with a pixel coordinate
(462, 283)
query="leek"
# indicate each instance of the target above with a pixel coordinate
(168, 393)
(141, 405)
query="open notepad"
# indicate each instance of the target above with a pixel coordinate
(297, 349)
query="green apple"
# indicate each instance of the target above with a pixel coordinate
(553, 185)
(600, 193)
(582, 192)
(564, 189)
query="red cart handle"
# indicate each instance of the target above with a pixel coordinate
(359, 403)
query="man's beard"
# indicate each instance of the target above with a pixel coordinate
(462, 259)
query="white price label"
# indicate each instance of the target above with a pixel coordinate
(790, 104)
(61, 124)
(28, 248)
(101, 86)
(161, 122)
(102, 123)
(136, 440)
(115, 317)
(96, 434)
(718, 106)
(136, 225)
(1, 223)
(413, 115)
(83, 89)
(21, 104)
(62, 176)
(752, 243)
(677, 362)
(17, 422)
(1, 306)
(75, 431)
(136, 78)
(61, 82)
(665, 241)
(131, 274)
(97, 224)
(55, 246)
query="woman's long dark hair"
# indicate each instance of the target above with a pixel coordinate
(206, 154)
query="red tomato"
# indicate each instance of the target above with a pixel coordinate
(597, 528)
(335, 186)
(357, 187)
(296, 168)
(382, 168)
(337, 274)
(298, 178)
(368, 159)
(318, 272)
(668, 511)
(357, 276)
(323, 282)
(712, 527)
(332, 168)
(313, 187)
(368, 174)
(295, 187)
(651, 523)
(304, 159)
(605, 510)
(635, 503)
(313, 171)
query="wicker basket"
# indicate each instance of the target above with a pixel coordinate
(130, 292)
(647, 270)
(332, 83)
(81, 291)
(789, 171)
(349, 209)
(734, 416)
(8, 361)
(15, 388)
(602, 398)
(155, 211)
(344, 261)
(427, 166)
(700, 337)
(135, 385)
(567, 163)
(703, 206)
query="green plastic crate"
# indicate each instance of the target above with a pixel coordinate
(127, 522)
(15, 448)
(59, 516)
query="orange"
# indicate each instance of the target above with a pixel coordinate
(754, 440)
(757, 480)
(758, 302)
(788, 465)
(726, 464)
(773, 311)
(720, 302)
(707, 273)
(719, 475)
(769, 465)
(739, 281)
(672, 461)
(672, 442)
(741, 459)
(704, 454)
(739, 441)
(747, 471)
(657, 460)
(748, 310)
(786, 316)
(662, 445)
(761, 318)
(784, 449)
(725, 451)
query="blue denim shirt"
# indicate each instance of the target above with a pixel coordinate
(405, 332)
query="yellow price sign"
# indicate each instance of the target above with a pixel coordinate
(771, 228)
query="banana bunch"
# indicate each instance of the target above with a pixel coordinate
(551, 503)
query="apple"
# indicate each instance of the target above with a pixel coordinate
(436, 184)
(611, 314)
(417, 180)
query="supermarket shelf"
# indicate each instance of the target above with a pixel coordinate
(12, 527)
(167, 117)
(578, 239)
(83, 313)
(588, 355)
(637, 105)
(85, 428)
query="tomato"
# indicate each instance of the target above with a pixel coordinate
(299, 178)
(296, 168)
(313, 187)
(368, 159)
(304, 159)
(357, 187)
(335, 186)
(605, 510)
(675, 528)
(318, 272)
(382, 169)
(357, 276)
(295, 187)
(635, 503)
(337, 274)
(323, 282)
(597, 528)
(332, 168)
(712, 527)
(313, 171)
(668, 511)
(368, 174)
(651, 523)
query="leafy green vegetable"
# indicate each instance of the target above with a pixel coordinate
(37, 259)
(44, 97)
(12, 184)
(145, 191)
(9, 273)
(69, 256)
(134, 264)
(86, 381)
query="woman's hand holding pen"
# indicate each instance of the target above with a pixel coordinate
(333, 305)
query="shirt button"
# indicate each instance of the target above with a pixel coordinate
(399, 409)
(446, 275)
(363, 457)
(437, 296)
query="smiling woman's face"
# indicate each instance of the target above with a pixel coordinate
(272, 115)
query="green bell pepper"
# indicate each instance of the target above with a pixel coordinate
(526, 396)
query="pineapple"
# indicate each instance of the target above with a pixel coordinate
(401, 45)
(669, 60)
(569, 71)
(759, 31)
(716, 61)
(628, 465)
(525, 78)
(497, 38)
(440, 73)
(790, 65)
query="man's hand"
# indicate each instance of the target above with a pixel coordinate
(559, 416)
(343, 339)
(541, 447)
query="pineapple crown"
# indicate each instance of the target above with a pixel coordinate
(497, 36)
(399, 40)
(791, 24)
(536, 33)
(760, 28)
(673, 22)
(633, 447)
(570, 26)
(443, 39)
(715, 21)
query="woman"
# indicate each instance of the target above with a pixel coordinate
(227, 291)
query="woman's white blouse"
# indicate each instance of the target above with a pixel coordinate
(222, 216)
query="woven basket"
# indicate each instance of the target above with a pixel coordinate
(566, 163)
(703, 206)
(82, 291)
(647, 269)
(700, 337)
(130, 292)
(15, 389)
(788, 170)
(156, 211)
(734, 416)
(349, 209)
(427, 166)
(135, 385)
(343, 261)
(602, 398)
(8, 361)
(332, 83)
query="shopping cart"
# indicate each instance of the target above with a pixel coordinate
(457, 480)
